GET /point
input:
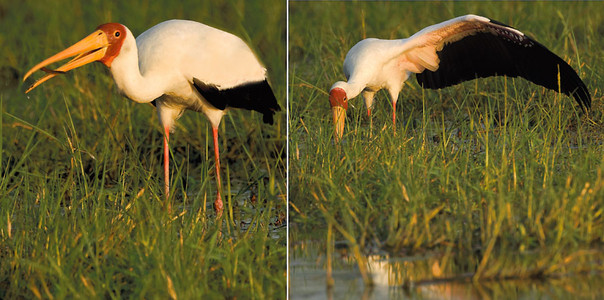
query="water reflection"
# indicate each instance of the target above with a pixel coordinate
(413, 278)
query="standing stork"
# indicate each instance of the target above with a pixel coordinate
(182, 65)
(445, 54)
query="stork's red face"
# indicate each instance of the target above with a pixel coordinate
(102, 45)
(339, 103)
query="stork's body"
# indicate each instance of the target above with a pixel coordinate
(445, 54)
(182, 65)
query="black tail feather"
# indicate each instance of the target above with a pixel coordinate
(256, 96)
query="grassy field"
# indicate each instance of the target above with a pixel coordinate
(81, 168)
(497, 177)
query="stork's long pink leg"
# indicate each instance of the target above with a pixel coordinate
(218, 203)
(370, 121)
(394, 116)
(167, 167)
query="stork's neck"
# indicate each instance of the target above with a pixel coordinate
(127, 75)
(351, 88)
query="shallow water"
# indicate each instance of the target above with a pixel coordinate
(412, 278)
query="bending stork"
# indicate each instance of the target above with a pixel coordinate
(446, 54)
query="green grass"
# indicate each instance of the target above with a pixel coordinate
(495, 177)
(81, 209)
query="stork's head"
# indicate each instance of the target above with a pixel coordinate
(339, 103)
(102, 45)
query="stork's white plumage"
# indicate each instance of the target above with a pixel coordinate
(445, 54)
(180, 65)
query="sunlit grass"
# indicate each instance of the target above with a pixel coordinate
(81, 210)
(497, 177)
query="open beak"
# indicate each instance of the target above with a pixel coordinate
(89, 49)
(339, 118)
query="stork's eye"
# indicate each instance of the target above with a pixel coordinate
(117, 34)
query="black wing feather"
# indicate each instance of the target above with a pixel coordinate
(503, 52)
(256, 96)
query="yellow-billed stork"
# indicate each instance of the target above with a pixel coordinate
(179, 65)
(445, 54)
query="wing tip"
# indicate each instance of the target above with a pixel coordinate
(268, 118)
(583, 97)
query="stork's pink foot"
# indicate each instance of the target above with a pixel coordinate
(218, 206)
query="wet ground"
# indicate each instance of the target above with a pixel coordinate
(413, 278)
